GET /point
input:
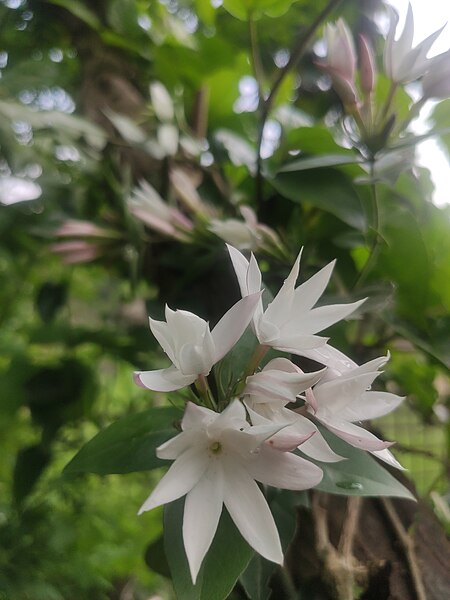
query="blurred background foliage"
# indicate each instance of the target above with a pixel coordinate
(79, 129)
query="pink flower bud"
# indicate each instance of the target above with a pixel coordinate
(366, 65)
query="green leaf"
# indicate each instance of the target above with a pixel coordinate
(329, 190)
(359, 475)
(226, 559)
(127, 445)
(317, 162)
(246, 9)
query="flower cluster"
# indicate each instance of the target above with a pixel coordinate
(269, 416)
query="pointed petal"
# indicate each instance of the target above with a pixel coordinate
(182, 476)
(388, 458)
(356, 436)
(279, 309)
(163, 380)
(233, 324)
(161, 332)
(371, 405)
(333, 396)
(240, 266)
(307, 294)
(284, 470)
(250, 512)
(320, 318)
(202, 510)
(297, 344)
(336, 361)
(318, 449)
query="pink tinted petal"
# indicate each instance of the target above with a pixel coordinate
(287, 440)
(233, 324)
(202, 510)
(163, 380)
(182, 476)
(356, 436)
(250, 512)
(284, 470)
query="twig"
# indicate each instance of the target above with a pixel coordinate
(266, 105)
(349, 526)
(407, 544)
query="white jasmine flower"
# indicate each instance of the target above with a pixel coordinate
(402, 62)
(345, 400)
(192, 347)
(218, 457)
(290, 322)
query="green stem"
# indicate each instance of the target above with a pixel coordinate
(204, 391)
(389, 99)
(257, 356)
(376, 241)
(255, 57)
(266, 105)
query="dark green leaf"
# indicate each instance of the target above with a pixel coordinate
(155, 557)
(227, 557)
(127, 445)
(317, 162)
(50, 299)
(358, 475)
(29, 466)
(327, 189)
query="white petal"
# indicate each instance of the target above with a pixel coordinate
(163, 380)
(333, 396)
(320, 318)
(171, 449)
(182, 476)
(317, 448)
(162, 333)
(280, 385)
(284, 470)
(279, 309)
(196, 417)
(240, 265)
(356, 436)
(388, 458)
(194, 361)
(250, 512)
(334, 359)
(297, 343)
(185, 327)
(233, 324)
(371, 405)
(307, 294)
(202, 510)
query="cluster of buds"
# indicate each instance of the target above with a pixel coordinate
(191, 216)
(403, 63)
(252, 431)
(83, 241)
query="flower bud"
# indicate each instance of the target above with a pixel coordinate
(366, 66)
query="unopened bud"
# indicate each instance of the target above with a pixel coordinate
(366, 66)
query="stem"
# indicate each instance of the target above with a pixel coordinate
(389, 99)
(375, 247)
(257, 356)
(255, 57)
(203, 389)
(266, 105)
(407, 544)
